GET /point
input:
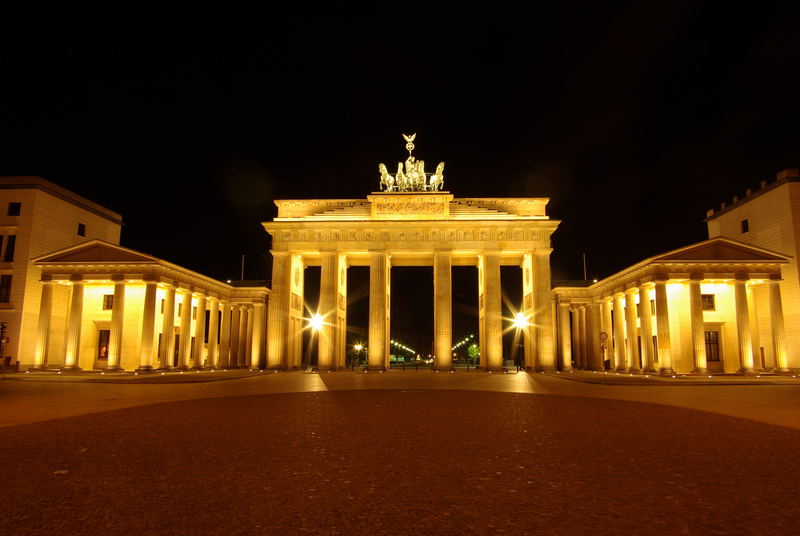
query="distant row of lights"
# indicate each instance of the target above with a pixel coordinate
(463, 341)
(398, 344)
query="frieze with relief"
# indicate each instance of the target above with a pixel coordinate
(431, 235)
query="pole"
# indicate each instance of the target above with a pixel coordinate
(242, 278)
(584, 266)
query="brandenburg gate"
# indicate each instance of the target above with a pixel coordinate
(412, 221)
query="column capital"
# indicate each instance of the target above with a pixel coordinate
(118, 278)
(695, 277)
(774, 278)
(742, 277)
(276, 253)
(75, 279)
(631, 291)
(46, 278)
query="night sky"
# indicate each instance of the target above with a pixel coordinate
(634, 118)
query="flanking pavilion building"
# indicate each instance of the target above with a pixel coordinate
(709, 307)
(71, 298)
(111, 308)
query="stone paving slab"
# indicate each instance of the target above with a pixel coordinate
(399, 462)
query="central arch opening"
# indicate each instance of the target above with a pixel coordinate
(411, 316)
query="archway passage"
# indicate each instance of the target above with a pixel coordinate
(411, 313)
(357, 331)
(466, 343)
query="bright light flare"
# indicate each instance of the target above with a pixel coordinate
(316, 322)
(358, 347)
(520, 321)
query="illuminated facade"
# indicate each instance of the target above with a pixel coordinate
(770, 218)
(108, 307)
(37, 217)
(72, 298)
(409, 228)
(714, 306)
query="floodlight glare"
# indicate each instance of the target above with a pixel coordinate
(315, 322)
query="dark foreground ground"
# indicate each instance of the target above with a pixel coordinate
(397, 463)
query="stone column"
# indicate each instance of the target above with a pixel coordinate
(166, 354)
(619, 333)
(593, 336)
(148, 328)
(543, 320)
(233, 359)
(117, 315)
(278, 317)
(646, 330)
(662, 327)
(200, 332)
(493, 323)
(257, 348)
(576, 337)
(584, 364)
(776, 321)
(564, 336)
(225, 336)
(755, 340)
(630, 328)
(743, 326)
(378, 329)
(698, 328)
(241, 358)
(43, 328)
(442, 310)
(608, 329)
(185, 330)
(340, 352)
(213, 334)
(327, 309)
(73, 346)
(248, 341)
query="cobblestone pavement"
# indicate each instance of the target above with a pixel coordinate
(399, 462)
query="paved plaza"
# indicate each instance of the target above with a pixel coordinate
(398, 453)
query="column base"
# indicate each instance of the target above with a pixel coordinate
(166, 369)
(666, 371)
(376, 368)
(700, 371)
(115, 368)
(495, 368)
(748, 371)
(781, 371)
(444, 369)
(147, 369)
(72, 368)
(620, 369)
(649, 371)
(37, 368)
(566, 369)
(633, 370)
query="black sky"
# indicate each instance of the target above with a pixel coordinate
(634, 118)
